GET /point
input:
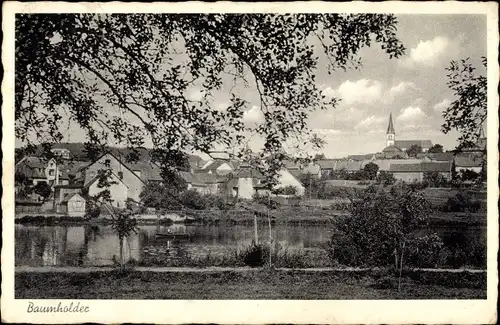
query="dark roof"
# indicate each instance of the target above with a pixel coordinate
(438, 156)
(248, 172)
(192, 178)
(217, 163)
(405, 168)
(149, 170)
(361, 157)
(467, 161)
(206, 178)
(408, 143)
(66, 199)
(73, 185)
(392, 148)
(326, 163)
(436, 166)
(431, 166)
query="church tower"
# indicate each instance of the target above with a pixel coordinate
(391, 134)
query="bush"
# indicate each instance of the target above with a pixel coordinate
(386, 178)
(462, 202)
(425, 252)
(192, 199)
(255, 255)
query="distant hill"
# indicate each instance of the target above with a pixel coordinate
(77, 152)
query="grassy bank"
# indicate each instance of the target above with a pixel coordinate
(252, 284)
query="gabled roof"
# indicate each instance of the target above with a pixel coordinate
(362, 157)
(95, 178)
(405, 168)
(69, 197)
(326, 163)
(149, 170)
(214, 164)
(392, 148)
(121, 162)
(32, 167)
(424, 144)
(348, 165)
(435, 166)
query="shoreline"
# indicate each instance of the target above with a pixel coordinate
(323, 218)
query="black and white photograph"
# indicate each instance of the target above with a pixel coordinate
(248, 155)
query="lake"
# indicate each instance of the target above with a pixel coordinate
(85, 245)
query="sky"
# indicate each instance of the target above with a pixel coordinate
(413, 88)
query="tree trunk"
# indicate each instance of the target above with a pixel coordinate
(122, 264)
(401, 265)
(270, 236)
(255, 229)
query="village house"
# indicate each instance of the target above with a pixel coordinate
(73, 205)
(247, 182)
(410, 173)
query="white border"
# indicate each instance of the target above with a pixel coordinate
(254, 311)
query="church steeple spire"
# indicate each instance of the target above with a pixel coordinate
(391, 134)
(390, 128)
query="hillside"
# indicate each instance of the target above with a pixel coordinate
(77, 152)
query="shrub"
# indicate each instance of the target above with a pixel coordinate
(425, 252)
(379, 224)
(255, 255)
(386, 178)
(462, 202)
(192, 199)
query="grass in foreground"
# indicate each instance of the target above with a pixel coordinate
(258, 284)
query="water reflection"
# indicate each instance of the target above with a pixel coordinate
(98, 245)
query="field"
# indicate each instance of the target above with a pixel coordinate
(246, 284)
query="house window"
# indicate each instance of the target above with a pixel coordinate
(51, 172)
(107, 162)
(120, 175)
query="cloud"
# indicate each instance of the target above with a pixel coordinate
(327, 131)
(441, 106)
(402, 87)
(367, 91)
(253, 115)
(362, 91)
(371, 123)
(429, 52)
(411, 114)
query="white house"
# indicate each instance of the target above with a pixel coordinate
(118, 190)
(73, 205)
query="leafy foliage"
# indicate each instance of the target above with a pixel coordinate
(414, 150)
(43, 189)
(378, 226)
(435, 179)
(161, 196)
(371, 169)
(126, 77)
(462, 202)
(467, 113)
(437, 148)
(386, 178)
(287, 190)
